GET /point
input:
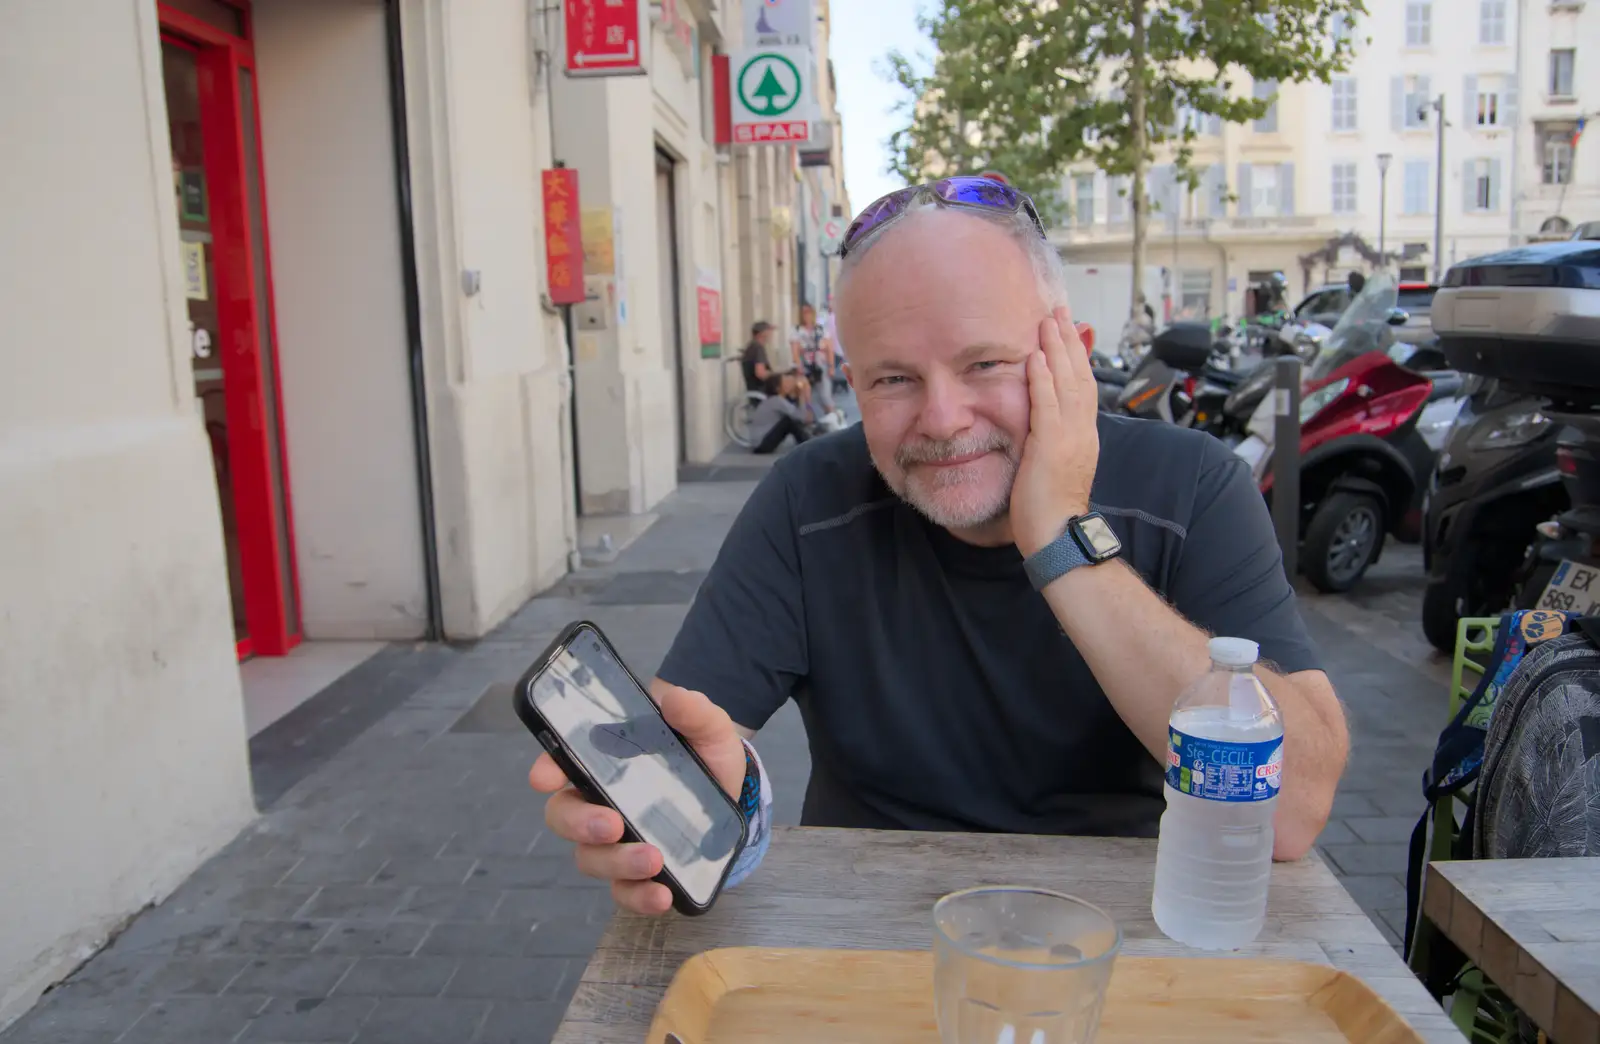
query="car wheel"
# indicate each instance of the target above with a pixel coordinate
(1342, 539)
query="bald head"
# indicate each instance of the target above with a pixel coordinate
(940, 312)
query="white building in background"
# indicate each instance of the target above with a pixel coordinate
(1280, 189)
(1556, 181)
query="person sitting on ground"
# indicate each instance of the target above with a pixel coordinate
(754, 361)
(779, 416)
(987, 595)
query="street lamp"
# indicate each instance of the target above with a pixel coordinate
(1384, 159)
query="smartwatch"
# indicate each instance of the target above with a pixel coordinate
(1086, 540)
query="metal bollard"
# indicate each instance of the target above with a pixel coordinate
(1286, 460)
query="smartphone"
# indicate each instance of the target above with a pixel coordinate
(591, 714)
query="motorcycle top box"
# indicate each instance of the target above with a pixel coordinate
(1184, 345)
(1529, 317)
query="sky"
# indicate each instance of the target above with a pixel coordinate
(863, 32)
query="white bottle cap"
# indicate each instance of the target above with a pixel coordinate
(1233, 652)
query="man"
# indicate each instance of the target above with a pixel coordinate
(754, 360)
(958, 664)
(778, 417)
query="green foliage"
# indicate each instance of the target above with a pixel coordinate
(1016, 85)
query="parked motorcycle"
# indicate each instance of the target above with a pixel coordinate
(1363, 464)
(1178, 380)
(1530, 317)
(1495, 481)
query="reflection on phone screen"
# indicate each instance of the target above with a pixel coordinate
(616, 734)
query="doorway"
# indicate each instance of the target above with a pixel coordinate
(208, 73)
(671, 297)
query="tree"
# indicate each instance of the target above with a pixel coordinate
(1029, 87)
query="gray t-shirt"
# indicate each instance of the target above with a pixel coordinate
(937, 688)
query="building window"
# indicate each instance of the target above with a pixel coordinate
(1555, 152)
(1486, 102)
(1411, 97)
(1344, 188)
(1419, 23)
(1264, 194)
(1083, 188)
(1194, 294)
(1481, 185)
(1492, 21)
(1414, 274)
(1561, 73)
(1342, 23)
(1344, 103)
(1416, 187)
(1264, 89)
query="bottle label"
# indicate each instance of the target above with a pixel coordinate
(1220, 770)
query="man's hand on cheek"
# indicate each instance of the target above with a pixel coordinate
(1063, 446)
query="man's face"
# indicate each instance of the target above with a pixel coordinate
(764, 338)
(808, 315)
(940, 317)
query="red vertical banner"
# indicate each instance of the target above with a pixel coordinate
(563, 236)
(722, 98)
(710, 309)
(604, 37)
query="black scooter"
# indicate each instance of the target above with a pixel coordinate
(1530, 317)
(1178, 380)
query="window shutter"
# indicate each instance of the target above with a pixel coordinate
(1469, 185)
(1397, 103)
(1214, 125)
(1469, 103)
(1494, 184)
(1213, 187)
(1286, 188)
(1508, 103)
(1243, 183)
(1425, 90)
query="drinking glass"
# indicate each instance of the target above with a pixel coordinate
(1019, 965)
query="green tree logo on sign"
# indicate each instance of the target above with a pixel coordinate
(769, 85)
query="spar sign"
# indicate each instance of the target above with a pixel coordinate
(772, 96)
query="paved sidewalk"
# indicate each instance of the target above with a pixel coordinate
(403, 890)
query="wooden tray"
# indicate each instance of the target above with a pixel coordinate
(886, 997)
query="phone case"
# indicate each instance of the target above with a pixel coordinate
(536, 724)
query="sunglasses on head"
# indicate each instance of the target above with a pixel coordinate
(968, 192)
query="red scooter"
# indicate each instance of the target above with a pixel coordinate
(1363, 464)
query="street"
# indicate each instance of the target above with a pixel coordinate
(401, 888)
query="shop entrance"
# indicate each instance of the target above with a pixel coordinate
(208, 70)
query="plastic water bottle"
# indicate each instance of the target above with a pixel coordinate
(1224, 761)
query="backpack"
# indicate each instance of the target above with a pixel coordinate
(1523, 755)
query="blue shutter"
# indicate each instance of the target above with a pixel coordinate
(1397, 103)
(1286, 188)
(1469, 186)
(1424, 96)
(1508, 103)
(1243, 188)
(1469, 101)
(1494, 185)
(1213, 187)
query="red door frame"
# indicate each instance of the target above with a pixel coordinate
(220, 56)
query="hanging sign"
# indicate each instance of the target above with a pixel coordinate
(779, 23)
(771, 95)
(605, 37)
(563, 236)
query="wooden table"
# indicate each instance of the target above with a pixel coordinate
(876, 890)
(1533, 926)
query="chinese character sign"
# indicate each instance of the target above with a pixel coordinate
(709, 301)
(563, 236)
(604, 37)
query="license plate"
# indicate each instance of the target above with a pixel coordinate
(1574, 588)
(1253, 451)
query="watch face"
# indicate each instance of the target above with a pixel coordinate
(1096, 536)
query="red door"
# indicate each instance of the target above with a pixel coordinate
(209, 74)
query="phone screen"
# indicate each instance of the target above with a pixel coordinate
(616, 734)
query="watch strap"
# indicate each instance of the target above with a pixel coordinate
(1055, 559)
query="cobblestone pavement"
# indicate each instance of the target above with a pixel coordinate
(402, 890)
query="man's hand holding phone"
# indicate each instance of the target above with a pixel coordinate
(597, 830)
